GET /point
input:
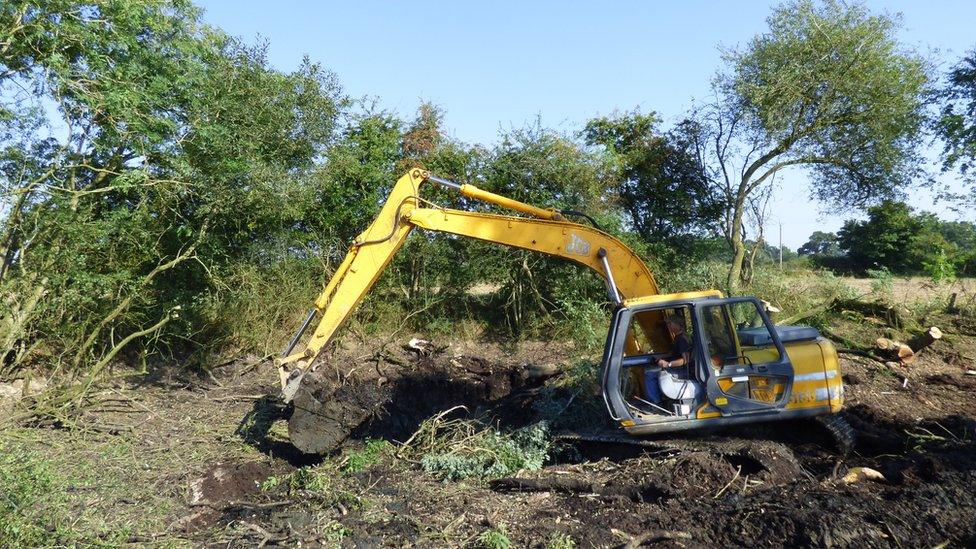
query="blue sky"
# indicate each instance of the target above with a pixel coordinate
(497, 65)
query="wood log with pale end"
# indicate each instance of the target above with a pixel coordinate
(924, 339)
(894, 350)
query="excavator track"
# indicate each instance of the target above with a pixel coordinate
(840, 431)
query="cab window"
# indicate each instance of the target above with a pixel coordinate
(735, 334)
(649, 335)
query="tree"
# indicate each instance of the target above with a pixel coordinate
(827, 88)
(662, 187)
(543, 167)
(821, 243)
(179, 152)
(957, 123)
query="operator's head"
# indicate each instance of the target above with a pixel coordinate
(675, 324)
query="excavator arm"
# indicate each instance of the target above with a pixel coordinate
(546, 232)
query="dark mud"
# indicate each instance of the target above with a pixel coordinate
(767, 485)
(773, 484)
(390, 402)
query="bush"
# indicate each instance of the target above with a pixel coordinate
(939, 268)
(693, 276)
(882, 283)
(452, 450)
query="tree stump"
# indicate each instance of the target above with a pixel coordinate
(924, 339)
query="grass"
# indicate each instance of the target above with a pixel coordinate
(40, 504)
(99, 489)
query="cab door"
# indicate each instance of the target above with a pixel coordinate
(742, 357)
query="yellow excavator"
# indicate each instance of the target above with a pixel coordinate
(736, 365)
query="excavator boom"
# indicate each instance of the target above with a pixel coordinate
(546, 232)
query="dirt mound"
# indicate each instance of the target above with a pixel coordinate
(224, 486)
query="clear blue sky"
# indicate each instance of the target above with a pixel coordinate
(498, 65)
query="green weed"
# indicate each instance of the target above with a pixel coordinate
(496, 538)
(270, 483)
(882, 283)
(561, 541)
(373, 451)
(940, 269)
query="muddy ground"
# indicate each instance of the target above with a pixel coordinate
(206, 461)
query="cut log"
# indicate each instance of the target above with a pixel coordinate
(636, 492)
(925, 339)
(894, 350)
(894, 316)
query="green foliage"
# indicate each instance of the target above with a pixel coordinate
(585, 321)
(939, 268)
(496, 538)
(199, 198)
(457, 449)
(561, 541)
(897, 238)
(821, 243)
(183, 151)
(827, 88)
(957, 123)
(882, 283)
(663, 188)
(312, 479)
(830, 85)
(371, 453)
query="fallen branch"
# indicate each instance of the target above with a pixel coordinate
(738, 471)
(894, 350)
(238, 397)
(815, 310)
(849, 343)
(234, 361)
(858, 352)
(237, 504)
(654, 536)
(568, 485)
(893, 316)
(97, 368)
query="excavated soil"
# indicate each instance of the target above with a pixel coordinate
(766, 485)
(761, 485)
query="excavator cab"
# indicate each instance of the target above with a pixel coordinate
(740, 368)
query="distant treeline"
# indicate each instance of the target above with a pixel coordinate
(899, 239)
